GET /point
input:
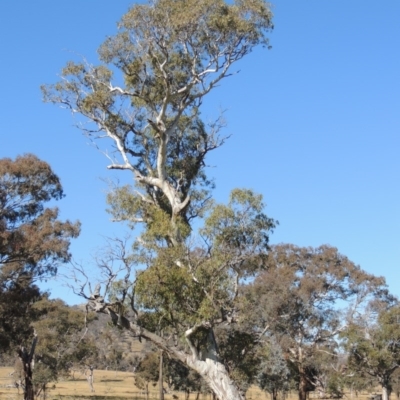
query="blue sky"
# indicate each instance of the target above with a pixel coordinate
(315, 122)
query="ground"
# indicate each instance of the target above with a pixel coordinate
(111, 385)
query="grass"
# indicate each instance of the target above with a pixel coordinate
(110, 385)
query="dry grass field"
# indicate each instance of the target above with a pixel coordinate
(110, 385)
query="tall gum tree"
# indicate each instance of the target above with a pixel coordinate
(145, 98)
(305, 298)
(373, 344)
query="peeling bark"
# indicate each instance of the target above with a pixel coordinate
(216, 376)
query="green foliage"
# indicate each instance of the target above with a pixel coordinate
(147, 371)
(17, 313)
(374, 346)
(60, 331)
(33, 242)
(241, 226)
(303, 297)
(181, 378)
(273, 372)
(172, 283)
(239, 351)
(32, 239)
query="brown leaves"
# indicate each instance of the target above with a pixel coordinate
(32, 239)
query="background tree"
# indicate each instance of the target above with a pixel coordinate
(147, 372)
(60, 332)
(145, 98)
(273, 372)
(305, 297)
(395, 383)
(33, 242)
(239, 348)
(181, 378)
(374, 346)
(85, 357)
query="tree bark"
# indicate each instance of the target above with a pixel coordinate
(210, 368)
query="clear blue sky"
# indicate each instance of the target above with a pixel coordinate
(315, 121)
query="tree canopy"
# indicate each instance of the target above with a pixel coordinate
(373, 345)
(182, 279)
(304, 299)
(33, 241)
(145, 97)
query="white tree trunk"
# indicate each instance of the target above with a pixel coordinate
(385, 393)
(216, 376)
(90, 378)
(206, 364)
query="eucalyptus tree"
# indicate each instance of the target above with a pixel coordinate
(373, 345)
(273, 372)
(33, 242)
(306, 297)
(145, 97)
(147, 372)
(60, 337)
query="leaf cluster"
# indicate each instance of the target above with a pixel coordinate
(32, 238)
(374, 346)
